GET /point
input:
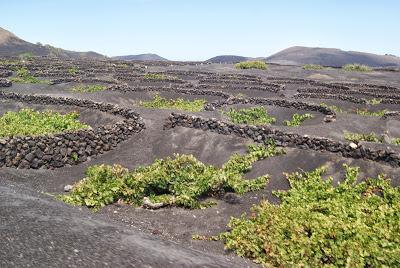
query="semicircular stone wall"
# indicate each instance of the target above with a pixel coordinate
(67, 148)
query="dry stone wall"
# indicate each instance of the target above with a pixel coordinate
(5, 73)
(264, 134)
(67, 148)
(5, 82)
(274, 102)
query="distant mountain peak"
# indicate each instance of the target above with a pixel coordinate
(6, 36)
(299, 55)
(11, 45)
(227, 59)
(141, 57)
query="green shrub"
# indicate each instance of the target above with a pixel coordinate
(251, 116)
(396, 141)
(178, 181)
(332, 107)
(74, 156)
(365, 112)
(26, 56)
(23, 76)
(122, 65)
(297, 119)
(356, 68)
(319, 225)
(179, 104)
(313, 67)
(154, 76)
(30, 122)
(251, 65)
(73, 70)
(9, 62)
(374, 101)
(22, 72)
(371, 137)
(240, 95)
(88, 88)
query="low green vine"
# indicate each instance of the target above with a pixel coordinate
(252, 65)
(179, 181)
(313, 67)
(24, 76)
(356, 137)
(396, 141)
(179, 104)
(355, 67)
(251, 116)
(332, 107)
(154, 76)
(297, 119)
(88, 88)
(30, 122)
(319, 225)
(374, 101)
(365, 112)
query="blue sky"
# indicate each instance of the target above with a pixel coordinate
(198, 30)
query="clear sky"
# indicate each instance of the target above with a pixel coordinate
(198, 30)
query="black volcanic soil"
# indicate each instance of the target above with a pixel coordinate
(128, 236)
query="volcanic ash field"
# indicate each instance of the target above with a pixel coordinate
(172, 151)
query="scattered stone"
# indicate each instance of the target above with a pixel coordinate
(68, 188)
(329, 118)
(29, 157)
(353, 145)
(232, 198)
(149, 205)
(5, 82)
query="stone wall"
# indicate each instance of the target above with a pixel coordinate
(82, 80)
(5, 73)
(330, 97)
(264, 134)
(389, 114)
(345, 98)
(180, 90)
(274, 102)
(333, 85)
(140, 78)
(5, 82)
(274, 88)
(372, 92)
(67, 148)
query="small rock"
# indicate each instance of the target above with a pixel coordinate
(150, 205)
(353, 145)
(156, 232)
(29, 157)
(329, 118)
(120, 202)
(68, 188)
(231, 198)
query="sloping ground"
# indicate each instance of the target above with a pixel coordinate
(330, 57)
(11, 45)
(227, 59)
(51, 234)
(141, 57)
